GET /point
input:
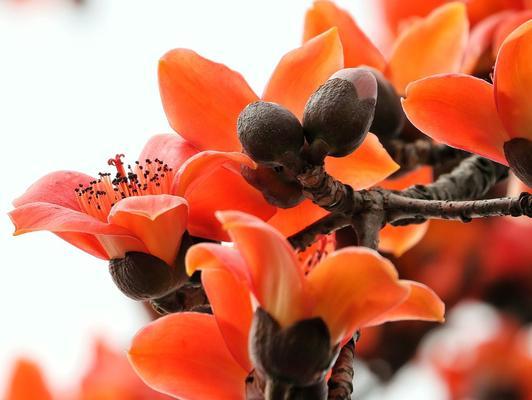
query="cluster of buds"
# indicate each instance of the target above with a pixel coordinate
(336, 120)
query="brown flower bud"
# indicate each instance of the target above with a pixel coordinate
(340, 112)
(277, 188)
(142, 276)
(300, 354)
(518, 152)
(389, 118)
(269, 133)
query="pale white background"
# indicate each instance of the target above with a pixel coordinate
(78, 85)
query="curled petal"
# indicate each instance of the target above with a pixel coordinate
(159, 221)
(358, 49)
(203, 164)
(170, 148)
(231, 304)
(430, 46)
(55, 188)
(458, 110)
(399, 239)
(276, 276)
(184, 355)
(421, 304)
(27, 382)
(291, 220)
(513, 82)
(213, 195)
(365, 167)
(301, 71)
(202, 99)
(115, 239)
(354, 286)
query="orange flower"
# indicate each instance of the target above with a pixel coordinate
(202, 100)
(431, 45)
(194, 356)
(349, 289)
(471, 114)
(27, 382)
(147, 209)
(396, 15)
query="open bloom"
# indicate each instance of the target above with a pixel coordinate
(172, 188)
(394, 16)
(430, 45)
(203, 99)
(474, 115)
(193, 356)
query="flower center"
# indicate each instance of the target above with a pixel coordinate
(312, 255)
(148, 177)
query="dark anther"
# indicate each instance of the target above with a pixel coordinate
(518, 152)
(270, 134)
(338, 115)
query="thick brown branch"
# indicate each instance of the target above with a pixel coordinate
(471, 180)
(410, 155)
(341, 381)
(400, 208)
(328, 224)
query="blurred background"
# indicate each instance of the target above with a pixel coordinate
(78, 84)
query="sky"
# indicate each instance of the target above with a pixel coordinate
(77, 86)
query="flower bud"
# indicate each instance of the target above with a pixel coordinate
(300, 354)
(269, 133)
(143, 276)
(277, 188)
(340, 112)
(389, 116)
(518, 152)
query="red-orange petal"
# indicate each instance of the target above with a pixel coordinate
(430, 46)
(86, 242)
(184, 355)
(399, 239)
(365, 167)
(510, 24)
(224, 189)
(291, 220)
(231, 304)
(27, 382)
(201, 165)
(55, 188)
(303, 70)
(358, 49)
(352, 287)
(513, 82)
(422, 304)
(458, 110)
(202, 99)
(276, 276)
(158, 220)
(170, 148)
(32, 217)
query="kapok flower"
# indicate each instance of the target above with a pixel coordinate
(494, 121)
(394, 16)
(193, 356)
(430, 45)
(27, 382)
(203, 99)
(349, 289)
(172, 188)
